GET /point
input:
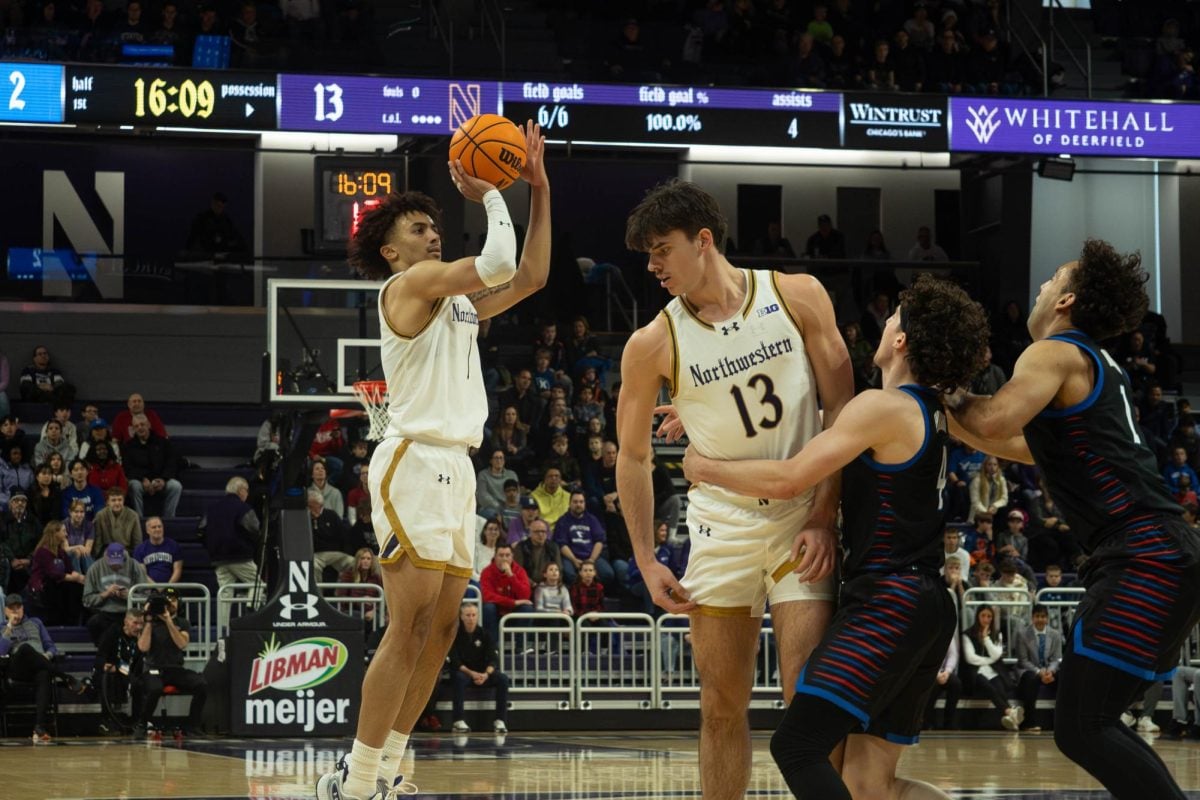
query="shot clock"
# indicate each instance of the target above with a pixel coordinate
(346, 189)
(161, 97)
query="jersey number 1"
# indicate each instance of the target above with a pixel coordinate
(769, 398)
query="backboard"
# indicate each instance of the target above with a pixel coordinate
(322, 336)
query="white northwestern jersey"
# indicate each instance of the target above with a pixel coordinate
(743, 387)
(434, 378)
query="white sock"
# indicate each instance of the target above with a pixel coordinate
(363, 763)
(393, 756)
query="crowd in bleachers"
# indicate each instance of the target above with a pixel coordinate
(1156, 41)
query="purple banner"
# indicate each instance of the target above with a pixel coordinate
(1074, 127)
(382, 105)
(654, 96)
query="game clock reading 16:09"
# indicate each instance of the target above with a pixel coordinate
(170, 97)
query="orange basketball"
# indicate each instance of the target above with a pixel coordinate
(490, 148)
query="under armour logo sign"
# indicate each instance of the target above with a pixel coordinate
(291, 610)
(443, 479)
(704, 530)
(733, 326)
(982, 122)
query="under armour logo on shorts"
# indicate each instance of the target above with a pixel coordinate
(443, 479)
(733, 326)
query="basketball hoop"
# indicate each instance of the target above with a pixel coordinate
(374, 397)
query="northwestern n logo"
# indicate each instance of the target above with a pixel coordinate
(65, 211)
(983, 122)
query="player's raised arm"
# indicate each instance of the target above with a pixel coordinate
(644, 364)
(535, 258)
(862, 425)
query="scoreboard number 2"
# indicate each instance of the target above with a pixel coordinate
(17, 79)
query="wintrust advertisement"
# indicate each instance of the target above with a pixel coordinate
(1076, 128)
(894, 122)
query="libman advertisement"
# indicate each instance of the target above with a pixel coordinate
(292, 685)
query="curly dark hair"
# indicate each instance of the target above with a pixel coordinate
(674, 205)
(947, 333)
(362, 253)
(1110, 290)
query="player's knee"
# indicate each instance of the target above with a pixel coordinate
(1070, 738)
(865, 786)
(721, 703)
(793, 748)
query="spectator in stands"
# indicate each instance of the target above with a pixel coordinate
(1177, 468)
(587, 593)
(957, 585)
(12, 436)
(231, 532)
(485, 551)
(210, 24)
(524, 398)
(826, 242)
(908, 64)
(550, 595)
(547, 339)
(981, 541)
(116, 523)
(807, 66)
(558, 420)
(132, 29)
(1185, 683)
(509, 437)
(152, 466)
(1185, 436)
(474, 662)
(41, 381)
(983, 649)
(94, 32)
(19, 534)
(953, 550)
(919, 28)
(587, 407)
(1011, 578)
(1012, 541)
(212, 231)
(819, 27)
(925, 249)
(880, 71)
(14, 473)
(489, 486)
(875, 318)
(62, 413)
(89, 413)
(1060, 616)
(170, 32)
(964, 464)
(80, 490)
(358, 494)
(331, 545)
(519, 528)
(117, 656)
(30, 650)
(249, 45)
(947, 680)
(1157, 415)
(58, 470)
(988, 490)
(551, 497)
(990, 378)
(862, 356)
(537, 551)
(505, 588)
(1185, 493)
(841, 66)
(45, 501)
(106, 589)
(560, 458)
(97, 431)
(581, 537)
(122, 427)
(544, 376)
(1136, 357)
(358, 458)
(103, 471)
(162, 642)
(160, 555)
(365, 572)
(630, 59)
(1039, 651)
(774, 243)
(950, 24)
(55, 589)
(331, 496)
(510, 512)
(987, 68)
(946, 66)
(54, 442)
(81, 537)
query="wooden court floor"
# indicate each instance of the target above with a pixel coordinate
(524, 766)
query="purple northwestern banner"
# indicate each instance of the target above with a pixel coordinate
(350, 104)
(1074, 127)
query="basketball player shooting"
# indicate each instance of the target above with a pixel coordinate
(422, 482)
(745, 354)
(872, 672)
(1068, 409)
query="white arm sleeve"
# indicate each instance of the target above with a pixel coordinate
(497, 264)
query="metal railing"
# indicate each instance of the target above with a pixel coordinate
(1055, 36)
(1038, 53)
(615, 661)
(628, 313)
(233, 600)
(538, 653)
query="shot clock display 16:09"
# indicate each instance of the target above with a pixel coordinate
(346, 189)
(170, 97)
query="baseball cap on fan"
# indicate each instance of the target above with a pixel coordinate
(114, 554)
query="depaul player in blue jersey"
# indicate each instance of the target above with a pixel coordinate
(872, 672)
(1069, 409)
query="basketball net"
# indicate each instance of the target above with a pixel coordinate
(374, 397)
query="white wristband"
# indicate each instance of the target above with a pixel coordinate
(497, 264)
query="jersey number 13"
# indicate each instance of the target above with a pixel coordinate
(768, 398)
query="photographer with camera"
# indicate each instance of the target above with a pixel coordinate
(162, 642)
